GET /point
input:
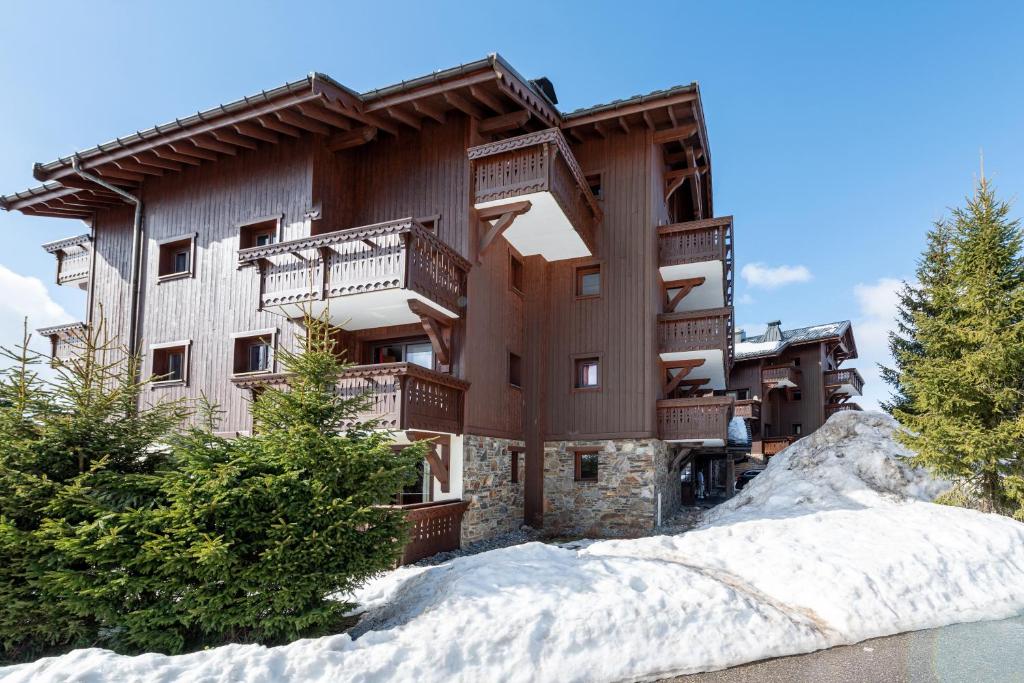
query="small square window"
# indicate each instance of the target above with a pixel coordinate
(588, 281)
(797, 395)
(258, 234)
(254, 352)
(515, 370)
(515, 273)
(175, 258)
(594, 182)
(170, 364)
(798, 429)
(587, 373)
(586, 465)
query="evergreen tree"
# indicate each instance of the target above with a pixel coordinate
(966, 384)
(914, 299)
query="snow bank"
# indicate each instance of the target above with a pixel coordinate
(834, 543)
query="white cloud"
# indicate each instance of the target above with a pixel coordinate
(745, 299)
(877, 302)
(770, 277)
(25, 296)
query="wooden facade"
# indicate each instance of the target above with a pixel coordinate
(430, 212)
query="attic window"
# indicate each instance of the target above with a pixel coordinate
(258, 233)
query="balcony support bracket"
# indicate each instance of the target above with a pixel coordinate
(685, 367)
(502, 217)
(438, 455)
(438, 329)
(683, 288)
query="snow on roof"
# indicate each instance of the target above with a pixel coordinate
(756, 346)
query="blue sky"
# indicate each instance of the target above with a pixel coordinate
(838, 131)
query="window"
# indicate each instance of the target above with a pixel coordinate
(170, 363)
(430, 222)
(738, 394)
(796, 362)
(797, 395)
(587, 374)
(175, 257)
(515, 370)
(586, 464)
(588, 281)
(514, 462)
(416, 351)
(594, 182)
(258, 233)
(515, 273)
(798, 429)
(254, 351)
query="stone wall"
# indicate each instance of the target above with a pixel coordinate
(623, 501)
(495, 503)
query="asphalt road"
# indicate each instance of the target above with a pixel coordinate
(963, 653)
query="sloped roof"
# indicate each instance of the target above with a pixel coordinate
(757, 347)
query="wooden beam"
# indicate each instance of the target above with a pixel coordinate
(684, 287)
(601, 130)
(622, 124)
(487, 99)
(165, 153)
(353, 138)
(685, 367)
(423, 310)
(672, 116)
(403, 117)
(492, 212)
(254, 131)
(233, 138)
(301, 122)
(504, 122)
(190, 149)
(439, 464)
(214, 145)
(464, 105)
(317, 112)
(647, 120)
(135, 167)
(695, 190)
(429, 110)
(151, 159)
(272, 123)
(437, 339)
(108, 172)
(672, 134)
(502, 222)
(366, 119)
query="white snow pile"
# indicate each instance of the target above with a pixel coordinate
(834, 543)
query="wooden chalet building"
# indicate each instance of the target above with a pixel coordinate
(786, 383)
(547, 294)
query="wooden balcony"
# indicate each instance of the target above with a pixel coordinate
(748, 409)
(846, 382)
(66, 341)
(400, 396)
(833, 408)
(695, 241)
(780, 377)
(772, 445)
(704, 421)
(363, 276)
(695, 262)
(699, 335)
(436, 528)
(535, 193)
(74, 260)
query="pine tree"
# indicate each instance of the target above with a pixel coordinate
(966, 387)
(932, 272)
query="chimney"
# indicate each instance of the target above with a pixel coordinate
(546, 88)
(740, 336)
(774, 331)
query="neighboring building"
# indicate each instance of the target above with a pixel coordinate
(788, 382)
(547, 295)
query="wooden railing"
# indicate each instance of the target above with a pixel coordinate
(695, 241)
(397, 254)
(536, 162)
(773, 376)
(748, 408)
(693, 419)
(838, 378)
(771, 445)
(66, 341)
(399, 396)
(74, 259)
(697, 331)
(436, 528)
(833, 408)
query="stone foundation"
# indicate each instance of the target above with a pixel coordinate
(623, 501)
(495, 503)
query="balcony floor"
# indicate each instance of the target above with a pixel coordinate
(366, 310)
(713, 367)
(711, 294)
(544, 230)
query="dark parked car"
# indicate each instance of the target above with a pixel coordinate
(744, 478)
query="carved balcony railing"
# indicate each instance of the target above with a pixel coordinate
(539, 162)
(74, 259)
(399, 254)
(771, 445)
(704, 330)
(66, 341)
(436, 528)
(682, 245)
(695, 419)
(846, 382)
(780, 377)
(833, 408)
(400, 395)
(748, 409)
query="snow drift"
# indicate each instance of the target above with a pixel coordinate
(834, 543)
